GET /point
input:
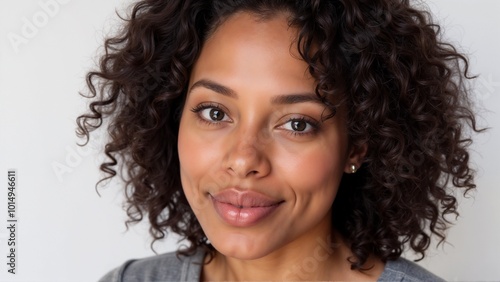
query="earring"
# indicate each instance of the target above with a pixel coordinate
(353, 168)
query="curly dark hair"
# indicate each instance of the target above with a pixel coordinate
(405, 89)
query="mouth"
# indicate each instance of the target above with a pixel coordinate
(243, 208)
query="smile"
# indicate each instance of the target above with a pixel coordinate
(243, 208)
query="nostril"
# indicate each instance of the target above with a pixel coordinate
(246, 162)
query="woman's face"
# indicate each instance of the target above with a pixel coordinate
(259, 167)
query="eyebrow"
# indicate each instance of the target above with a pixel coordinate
(286, 99)
(214, 86)
(296, 98)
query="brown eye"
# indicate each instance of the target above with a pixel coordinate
(298, 125)
(216, 114)
(211, 114)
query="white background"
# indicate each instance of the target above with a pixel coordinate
(66, 232)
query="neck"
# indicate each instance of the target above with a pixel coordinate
(323, 258)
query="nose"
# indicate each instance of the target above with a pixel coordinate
(246, 157)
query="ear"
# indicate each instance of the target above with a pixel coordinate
(356, 157)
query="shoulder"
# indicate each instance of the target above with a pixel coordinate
(165, 267)
(406, 271)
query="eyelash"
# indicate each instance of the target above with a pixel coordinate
(197, 110)
(314, 124)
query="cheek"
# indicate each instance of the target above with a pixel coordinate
(189, 154)
(321, 171)
(198, 159)
(192, 150)
(316, 173)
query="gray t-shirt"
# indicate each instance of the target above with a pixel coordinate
(169, 267)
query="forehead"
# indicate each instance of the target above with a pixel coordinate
(246, 47)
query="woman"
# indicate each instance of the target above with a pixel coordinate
(285, 140)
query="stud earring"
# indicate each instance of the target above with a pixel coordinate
(353, 168)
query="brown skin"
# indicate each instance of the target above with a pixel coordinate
(254, 146)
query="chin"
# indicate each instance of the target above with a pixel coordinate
(242, 247)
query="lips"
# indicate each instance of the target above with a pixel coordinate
(243, 208)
